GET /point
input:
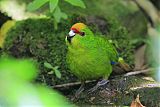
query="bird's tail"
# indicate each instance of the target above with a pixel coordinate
(123, 64)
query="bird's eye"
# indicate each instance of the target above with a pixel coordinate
(82, 34)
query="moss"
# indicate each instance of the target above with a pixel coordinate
(37, 39)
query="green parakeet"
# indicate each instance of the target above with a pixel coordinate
(89, 56)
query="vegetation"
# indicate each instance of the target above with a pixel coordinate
(18, 89)
(55, 10)
(39, 37)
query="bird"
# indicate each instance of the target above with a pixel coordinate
(90, 56)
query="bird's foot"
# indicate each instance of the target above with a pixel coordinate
(99, 84)
(79, 91)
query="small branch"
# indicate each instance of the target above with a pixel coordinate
(71, 84)
(138, 72)
(79, 83)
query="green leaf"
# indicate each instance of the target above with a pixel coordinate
(78, 3)
(64, 15)
(51, 72)
(57, 72)
(48, 65)
(56, 67)
(53, 4)
(36, 4)
(58, 15)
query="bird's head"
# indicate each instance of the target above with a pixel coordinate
(76, 29)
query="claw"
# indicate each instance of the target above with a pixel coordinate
(99, 84)
(79, 91)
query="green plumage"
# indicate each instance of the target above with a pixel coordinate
(90, 56)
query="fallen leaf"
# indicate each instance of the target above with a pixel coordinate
(136, 102)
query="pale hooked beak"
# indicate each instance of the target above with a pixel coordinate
(70, 36)
(71, 33)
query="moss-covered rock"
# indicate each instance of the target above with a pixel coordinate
(37, 39)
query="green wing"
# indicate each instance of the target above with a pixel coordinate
(99, 44)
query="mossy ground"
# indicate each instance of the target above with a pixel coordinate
(122, 91)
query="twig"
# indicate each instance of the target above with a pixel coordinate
(138, 72)
(78, 83)
(71, 84)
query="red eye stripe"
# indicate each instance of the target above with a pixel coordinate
(78, 32)
(75, 30)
